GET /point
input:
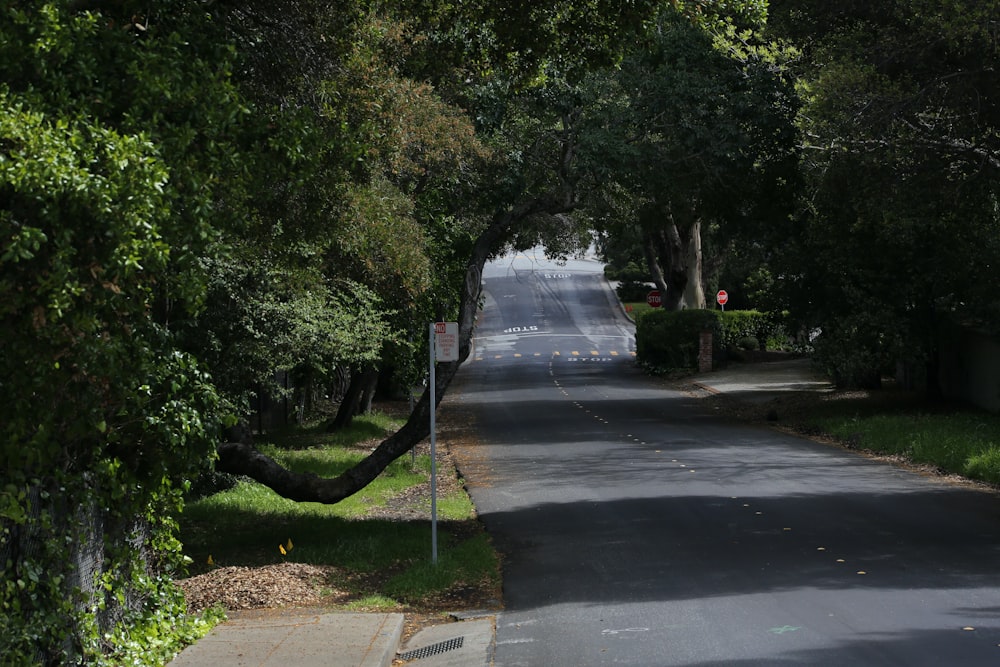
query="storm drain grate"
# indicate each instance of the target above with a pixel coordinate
(433, 649)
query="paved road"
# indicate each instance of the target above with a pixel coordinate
(639, 530)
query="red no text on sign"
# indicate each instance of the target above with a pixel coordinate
(446, 341)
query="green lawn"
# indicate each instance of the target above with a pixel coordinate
(386, 563)
(956, 439)
(636, 309)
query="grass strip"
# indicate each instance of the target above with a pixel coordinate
(385, 561)
(957, 440)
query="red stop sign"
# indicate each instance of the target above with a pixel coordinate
(722, 297)
(653, 299)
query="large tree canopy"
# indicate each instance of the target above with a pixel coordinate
(526, 146)
(193, 197)
(899, 232)
(694, 133)
(109, 205)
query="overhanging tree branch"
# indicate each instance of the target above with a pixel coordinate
(243, 459)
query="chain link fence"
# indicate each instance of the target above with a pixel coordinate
(87, 534)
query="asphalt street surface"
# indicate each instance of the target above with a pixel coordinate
(638, 529)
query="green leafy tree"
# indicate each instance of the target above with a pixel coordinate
(107, 208)
(526, 116)
(898, 232)
(383, 174)
(526, 98)
(694, 133)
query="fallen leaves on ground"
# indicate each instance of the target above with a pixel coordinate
(277, 585)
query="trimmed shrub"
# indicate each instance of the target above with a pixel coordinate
(737, 327)
(668, 340)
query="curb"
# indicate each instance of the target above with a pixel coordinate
(466, 643)
(389, 639)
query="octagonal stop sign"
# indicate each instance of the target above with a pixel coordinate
(653, 299)
(722, 297)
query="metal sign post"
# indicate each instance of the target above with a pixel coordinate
(443, 343)
(433, 388)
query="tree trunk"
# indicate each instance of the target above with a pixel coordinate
(672, 248)
(340, 383)
(368, 387)
(653, 261)
(661, 247)
(242, 459)
(694, 293)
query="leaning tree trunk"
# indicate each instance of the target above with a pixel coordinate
(242, 459)
(653, 261)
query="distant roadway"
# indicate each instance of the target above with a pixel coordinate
(637, 529)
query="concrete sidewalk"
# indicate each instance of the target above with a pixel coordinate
(299, 637)
(759, 382)
(320, 638)
(314, 638)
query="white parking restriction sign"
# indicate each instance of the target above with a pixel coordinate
(446, 341)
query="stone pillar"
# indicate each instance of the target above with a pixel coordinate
(705, 352)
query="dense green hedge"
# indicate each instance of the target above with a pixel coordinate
(106, 212)
(668, 340)
(738, 327)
